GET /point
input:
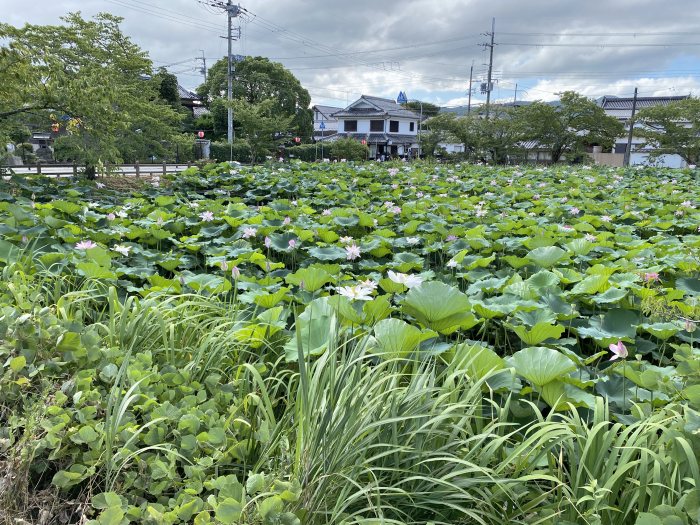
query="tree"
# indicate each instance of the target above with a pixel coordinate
(168, 87)
(349, 149)
(261, 126)
(486, 140)
(567, 128)
(429, 109)
(673, 129)
(88, 78)
(257, 79)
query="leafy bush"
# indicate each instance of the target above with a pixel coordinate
(221, 151)
(305, 152)
(349, 149)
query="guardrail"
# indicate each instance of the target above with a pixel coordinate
(73, 170)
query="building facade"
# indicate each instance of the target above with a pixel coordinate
(621, 109)
(388, 129)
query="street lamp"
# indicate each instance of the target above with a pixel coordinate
(403, 99)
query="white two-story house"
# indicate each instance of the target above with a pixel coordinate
(386, 127)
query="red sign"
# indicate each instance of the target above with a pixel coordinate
(55, 127)
(200, 134)
(364, 142)
(297, 139)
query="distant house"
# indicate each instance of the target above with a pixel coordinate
(191, 101)
(386, 127)
(325, 124)
(621, 109)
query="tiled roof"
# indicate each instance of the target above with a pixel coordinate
(625, 103)
(327, 111)
(186, 94)
(198, 111)
(384, 107)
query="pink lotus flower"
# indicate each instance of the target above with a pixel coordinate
(326, 212)
(606, 218)
(85, 245)
(268, 242)
(249, 232)
(111, 217)
(651, 277)
(292, 243)
(574, 210)
(286, 221)
(224, 266)
(235, 272)
(619, 350)
(352, 252)
(207, 216)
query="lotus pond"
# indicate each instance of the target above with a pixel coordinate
(352, 344)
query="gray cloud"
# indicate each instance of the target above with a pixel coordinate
(341, 49)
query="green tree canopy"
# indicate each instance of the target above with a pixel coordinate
(92, 80)
(261, 126)
(674, 128)
(486, 140)
(567, 128)
(257, 79)
(429, 109)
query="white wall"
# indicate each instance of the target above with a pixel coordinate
(363, 126)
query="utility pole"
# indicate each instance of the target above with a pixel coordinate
(232, 11)
(515, 96)
(628, 149)
(203, 70)
(488, 80)
(469, 103)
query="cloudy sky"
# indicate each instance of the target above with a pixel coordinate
(341, 49)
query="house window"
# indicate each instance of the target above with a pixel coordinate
(393, 126)
(376, 125)
(412, 126)
(350, 125)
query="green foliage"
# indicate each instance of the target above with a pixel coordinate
(352, 343)
(89, 72)
(256, 80)
(260, 127)
(672, 129)
(222, 151)
(348, 149)
(566, 128)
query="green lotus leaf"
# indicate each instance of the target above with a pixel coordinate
(312, 330)
(312, 278)
(560, 395)
(210, 283)
(541, 365)
(92, 270)
(661, 330)
(691, 286)
(331, 253)
(611, 295)
(479, 360)
(439, 307)
(539, 333)
(397, 339)
(546, 256)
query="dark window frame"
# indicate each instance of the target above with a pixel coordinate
(412, 126)
(393, 126)
(350, 129)
(376, 126)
